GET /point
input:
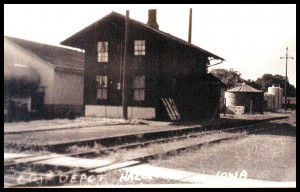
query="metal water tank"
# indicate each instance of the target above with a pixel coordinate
(20, 79)
(277, 98)
(231, 98)
(280, 98)
(244, 95)
(269, 98)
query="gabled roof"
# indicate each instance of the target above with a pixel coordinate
(77, 36)
(213, 78)
(204, 78)
(62, 58)
(244, 88)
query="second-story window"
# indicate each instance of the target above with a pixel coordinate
(101, 87)
(102, 50)
(139, 47)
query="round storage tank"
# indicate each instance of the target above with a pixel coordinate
(230, 99)
(269, 98)
(277, 98)
(280, 98)
(20, 79)
(244, 95)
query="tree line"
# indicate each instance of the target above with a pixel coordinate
(233, 78)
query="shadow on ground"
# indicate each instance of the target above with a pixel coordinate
(210, 122)
(279, 129)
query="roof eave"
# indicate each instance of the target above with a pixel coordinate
(71, 40)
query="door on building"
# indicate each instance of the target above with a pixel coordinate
(37, 103)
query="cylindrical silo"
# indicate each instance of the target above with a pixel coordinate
(269, 98)
(280, 98)
(275, 91)
(243, 95)
(231, 98)
(278, 94)
(20, 80)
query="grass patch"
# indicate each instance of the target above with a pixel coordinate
(95, 148)
(269, 155)
(23, 148)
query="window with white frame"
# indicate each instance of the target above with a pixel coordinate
(101, 87)
(139, 47)
(139, 88)
(102, 49)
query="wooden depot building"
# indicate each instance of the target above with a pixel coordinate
(165, 77)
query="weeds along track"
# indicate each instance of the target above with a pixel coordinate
(47, 169)
(148, 137)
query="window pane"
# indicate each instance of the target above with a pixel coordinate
(102, 81)
(139, 82)
(102, 57)
(99, 46)
(101, 93)
(139, 95)
(139, 47)
(139, 88)
(102, 50)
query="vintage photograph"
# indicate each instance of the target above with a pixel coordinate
(150, 96)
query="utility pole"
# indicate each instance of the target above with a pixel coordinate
(124, 88)
(286, 57)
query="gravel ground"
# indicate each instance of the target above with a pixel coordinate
(268, 155)
(115, 178)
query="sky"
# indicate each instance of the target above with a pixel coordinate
(251, 38)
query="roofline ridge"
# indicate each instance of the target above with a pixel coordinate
(36, 55)
(35, 42)
(148, 27)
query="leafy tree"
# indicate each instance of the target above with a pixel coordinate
(232, 78)
(253, 84)
(229, 77)
(267, 80)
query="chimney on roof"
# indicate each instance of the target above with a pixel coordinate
(152, 19)
(190, 27)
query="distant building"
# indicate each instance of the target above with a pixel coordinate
(244, 99)
(166, 77)
(290, 103)
(42, 79)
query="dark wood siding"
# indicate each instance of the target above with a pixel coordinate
(164, 66)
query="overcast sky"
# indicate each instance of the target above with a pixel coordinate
(251, 38)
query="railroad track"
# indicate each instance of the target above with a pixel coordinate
(88, 162)
(112, 141)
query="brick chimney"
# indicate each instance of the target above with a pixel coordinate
(152, 19)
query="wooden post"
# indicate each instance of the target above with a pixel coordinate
(224, 108)
(124, 87)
